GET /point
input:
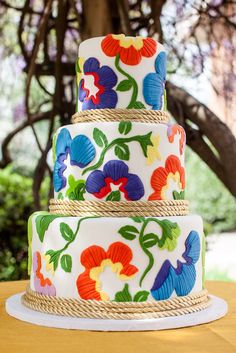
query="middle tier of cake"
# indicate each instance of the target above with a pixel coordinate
(119, 161)
(121, 259)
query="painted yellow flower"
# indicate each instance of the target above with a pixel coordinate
(153, 152)
(79, 69)
(126, 42)
(49, 266)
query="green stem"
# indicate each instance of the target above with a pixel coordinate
(148, 253)
(165, 101)
(131, 79)
(75, 234)
(108, 147)
(159, 243)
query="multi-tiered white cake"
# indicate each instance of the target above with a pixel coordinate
(113, 258)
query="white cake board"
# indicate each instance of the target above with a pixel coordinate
(15, 308)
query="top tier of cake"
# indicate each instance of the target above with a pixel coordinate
(121, 72)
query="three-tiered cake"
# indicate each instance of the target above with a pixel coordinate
(118, 229)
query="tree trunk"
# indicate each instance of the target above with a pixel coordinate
(207, 135)
(96, 19)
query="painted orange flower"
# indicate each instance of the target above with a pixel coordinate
(172, 131)
(95, 259)
(42, 284)
(163, 178)
(130, 49)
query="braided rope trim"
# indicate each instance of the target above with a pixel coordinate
(108, 115)
(116, 310)
(120, 208)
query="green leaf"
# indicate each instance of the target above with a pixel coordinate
(66, 263)
(178, 195)
(124, 295)
(138, 219)
(141, 296)
(54, 257)
(145, 141)
(149, 240)
(122, 151)
(138, 105)
(66, 232)
(203, 259)
(114, 196)
(60, 196)
(77, 66)
(170, 233)
(100, 138)
(54, 141)
(128, 232)
(42, 224)
(125, 127)
(79, 192)
(165, 101)
(124, 85)
(30, 237)
(76, 190)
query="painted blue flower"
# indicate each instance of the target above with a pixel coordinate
(154, 83)
(115, 172)
(182, 278)
(99, 94)
(80, 149)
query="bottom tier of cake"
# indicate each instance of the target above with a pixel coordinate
(118, 259)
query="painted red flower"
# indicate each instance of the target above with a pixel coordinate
(163, 177)
(174, 130)
(130, 49)
(95, 259)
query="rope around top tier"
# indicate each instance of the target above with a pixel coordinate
(120, 208)
(109, 115)
(116, 310)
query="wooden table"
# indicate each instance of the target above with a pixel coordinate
(218, 337)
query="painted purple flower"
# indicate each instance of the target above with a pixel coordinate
(99, 94)
(42, 285)
(81, 151)
(115, 172)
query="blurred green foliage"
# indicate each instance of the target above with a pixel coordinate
(16, 205)
(208, 196)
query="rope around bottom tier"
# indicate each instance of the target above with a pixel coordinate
(120, 208)
(116, 310)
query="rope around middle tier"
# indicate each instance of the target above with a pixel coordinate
(109, 115)
(120, 208)
(116, 310)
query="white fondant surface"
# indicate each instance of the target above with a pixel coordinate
(137, 163)
(15, 308)
(92, 48)
(103, 232)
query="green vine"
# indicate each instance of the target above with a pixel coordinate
(68, 234)
(127, 84)
(167, 240)
(144, 141)
(146, 251)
